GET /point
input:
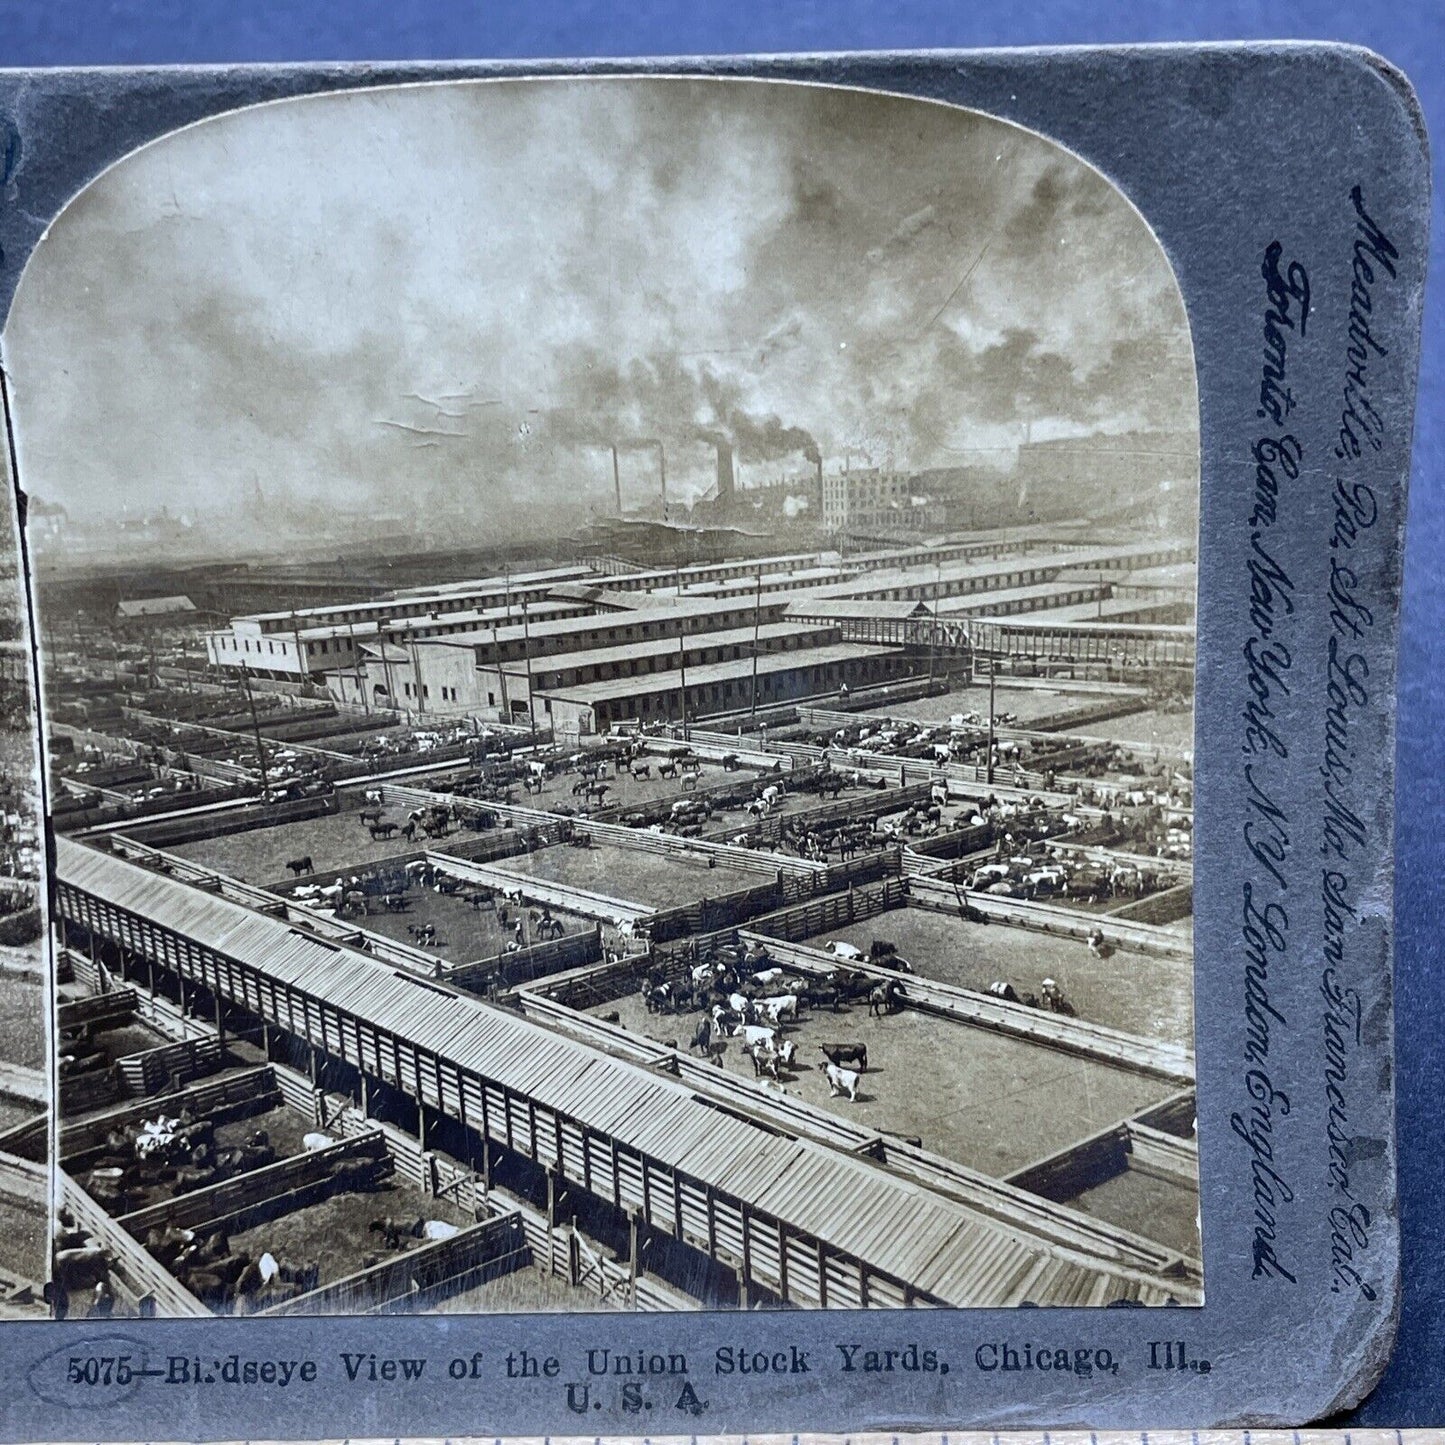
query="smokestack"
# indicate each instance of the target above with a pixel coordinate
(662, 474)
(724, 473)
(616, 479)
(819, 460)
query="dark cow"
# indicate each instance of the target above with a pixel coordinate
(841, 1054)
(300, 866)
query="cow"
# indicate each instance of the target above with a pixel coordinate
(841, 1081)
(301, 866)
(822, 995)
(781, 1006)
(766, 1060)
(884, 998)
(759, 1034)
(846, 1054)
(1051, 997)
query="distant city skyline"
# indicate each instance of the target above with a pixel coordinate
(451, 300)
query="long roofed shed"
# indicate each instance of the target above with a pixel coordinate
(780, 1205)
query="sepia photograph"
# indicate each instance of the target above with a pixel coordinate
(24, 1086)
(617, 660)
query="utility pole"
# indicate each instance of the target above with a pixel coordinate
(256, 729)
(933, 622)
(682, 654)
(382, 624)
(527, 656)
(416, 673)
(757, 644)
(501, 668)
(301, 669)
(992, 676)
(356, 667)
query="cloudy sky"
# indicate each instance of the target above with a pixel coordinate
(457, 296)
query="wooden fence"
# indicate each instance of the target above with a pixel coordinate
(930, 892)
(138, 1277)
(507, 970)
(709, 915)
(291, 1184)
(421, 1276)
(100, 1010)
(151, 1070)
(220, 1100)
(834, 911)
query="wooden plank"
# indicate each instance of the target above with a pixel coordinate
(217, 1203)
(212, 1099)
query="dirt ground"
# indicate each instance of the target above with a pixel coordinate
(1155, 729)
(133, 1038)
(334, 1232)
(986, 1100)
(336, 843)
(24, 1233)
(1154, 1207)
(625, 791)
(22, 1020)
(464, 933)
(523, 1291)
(14, 1111)
(652, 880)
(1026, 703)
(1151, 997)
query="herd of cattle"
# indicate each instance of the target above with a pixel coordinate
(741, 995)
(165, 1158)
(392, 891)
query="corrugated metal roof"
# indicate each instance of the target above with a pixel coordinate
(940, 1247)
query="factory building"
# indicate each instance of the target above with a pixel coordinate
(243, 642)
(959, 579)
(877, 497)
(519, 682)
(305, 653)
(723, 687)
(460, 675)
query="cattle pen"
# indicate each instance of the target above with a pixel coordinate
(725, 1205)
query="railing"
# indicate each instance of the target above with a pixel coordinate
(930, 892)
(1075, 1036)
